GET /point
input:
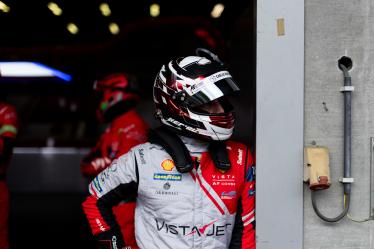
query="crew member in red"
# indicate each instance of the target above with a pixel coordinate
(126, 129)
(8, 132)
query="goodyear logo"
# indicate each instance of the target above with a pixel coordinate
(167, 177)
(167, 165)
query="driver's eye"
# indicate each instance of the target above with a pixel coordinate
(211, 107)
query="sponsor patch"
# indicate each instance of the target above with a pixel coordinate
(196, 88)
(228, 195)
(100, 225)
(162, 192)
(167, 186)
(181, 125)
(206, 230)
(167, 165)
(251, 174)
(223, 180)
(240, 157)
(113, 166)
(167, 177)
(141, 154)
(96, 183)
(219, 76)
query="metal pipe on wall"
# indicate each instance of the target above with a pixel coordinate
(345, 64)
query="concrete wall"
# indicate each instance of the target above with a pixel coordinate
(332, 29)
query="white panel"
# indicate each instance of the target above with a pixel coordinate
(280, 96)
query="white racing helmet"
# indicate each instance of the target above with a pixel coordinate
(181, 90)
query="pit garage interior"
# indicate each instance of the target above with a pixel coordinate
(88, 40)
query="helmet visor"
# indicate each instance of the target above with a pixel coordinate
(215, 107)
(210, 88)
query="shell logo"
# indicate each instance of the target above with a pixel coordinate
(167, 165)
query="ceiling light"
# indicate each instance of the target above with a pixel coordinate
(72, 28)
(217, 10)
(105, 9)
(54, 8)
(4, 7)
(154, 10)
(30, 70)
(114, 29)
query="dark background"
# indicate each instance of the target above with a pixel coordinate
(58, 122)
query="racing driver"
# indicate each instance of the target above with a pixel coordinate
(194, 188)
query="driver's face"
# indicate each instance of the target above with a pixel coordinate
(212, 107)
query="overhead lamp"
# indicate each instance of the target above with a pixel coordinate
(154, 10)
(4, 8)
(217, 10)
(105, 9)
(72, 28)
(54, 8)
(28, 69)
(114, 28)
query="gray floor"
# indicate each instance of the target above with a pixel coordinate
(48, 221)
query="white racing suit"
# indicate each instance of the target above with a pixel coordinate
(205, 208)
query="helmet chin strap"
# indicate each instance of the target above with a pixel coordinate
(175, 147)
(220, 156)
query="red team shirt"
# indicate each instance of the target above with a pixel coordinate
(8, 130)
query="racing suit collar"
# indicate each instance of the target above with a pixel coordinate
(195, 147)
